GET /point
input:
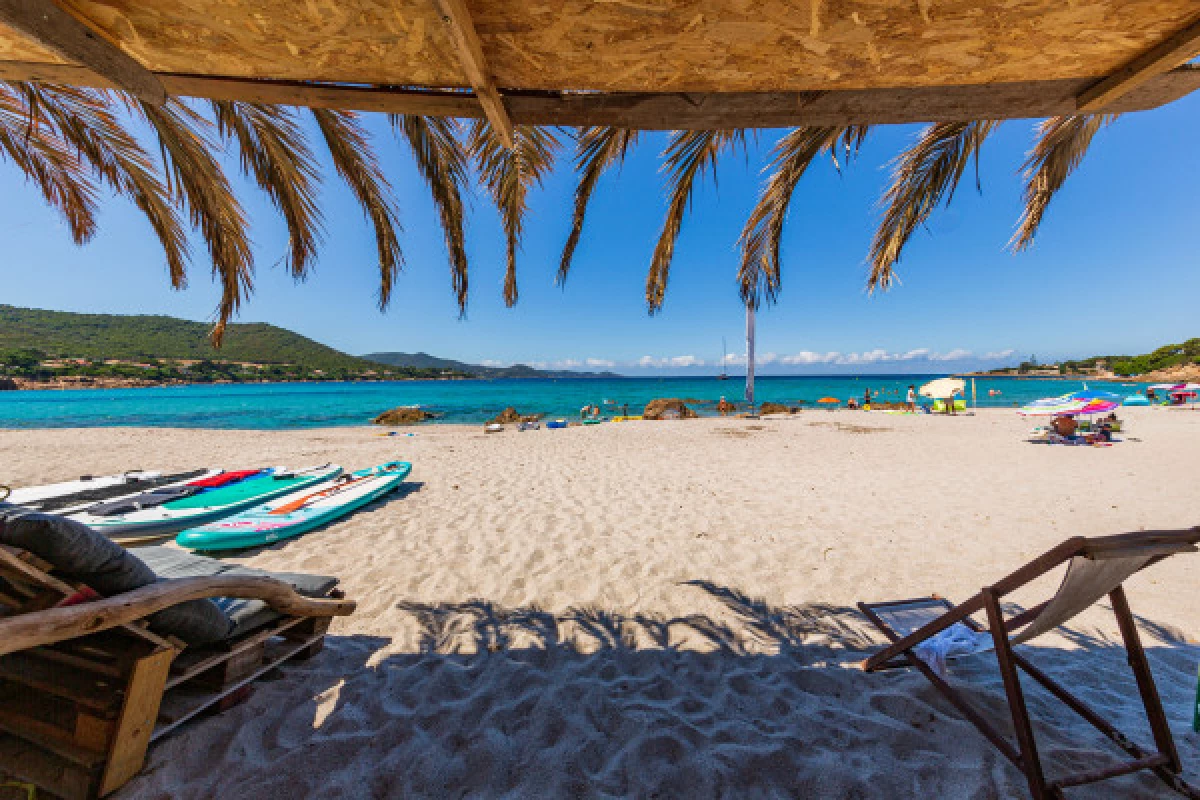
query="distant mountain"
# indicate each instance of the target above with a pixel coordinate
(426, 361)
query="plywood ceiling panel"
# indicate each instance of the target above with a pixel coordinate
(638, 45)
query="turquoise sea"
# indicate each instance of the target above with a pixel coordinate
(309, 405)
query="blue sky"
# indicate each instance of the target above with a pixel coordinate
(1114, 269)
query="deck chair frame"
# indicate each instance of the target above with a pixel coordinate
(1163, 761)
(85, 689)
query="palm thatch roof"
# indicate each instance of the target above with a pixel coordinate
(630, 63)
(71, 71)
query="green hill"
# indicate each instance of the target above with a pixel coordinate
(1171, 355)
(101, 336)
(426, 361)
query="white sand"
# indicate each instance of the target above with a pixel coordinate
(667, 609)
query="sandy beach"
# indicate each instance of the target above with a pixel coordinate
(668, 609)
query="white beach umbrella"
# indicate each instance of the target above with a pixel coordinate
(943, 388)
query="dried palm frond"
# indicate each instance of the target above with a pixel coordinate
(86, 120)
(202, 186)
(273, 150)
(355, 162)
(443, 163)
(759, 271)
(923, 177)
(508, 174)
(39, 151)
(1062, 143)
(596, 149)
(687, 156)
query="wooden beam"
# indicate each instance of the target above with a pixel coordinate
(470, 55)
(1181, 46)
(46, 23)
(1028, 100)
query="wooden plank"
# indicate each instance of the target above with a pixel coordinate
(58, 624)
(637, 45)
(27, 762)
(192, 664)
(135, 724)
(1177, 48)
(185, 702)
(46, 23)
(462, 32)
(79, 686)
(664, 111)
(42, 722)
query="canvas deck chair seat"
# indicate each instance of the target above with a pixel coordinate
(102, 651)
(926, 631)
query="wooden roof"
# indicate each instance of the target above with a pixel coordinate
(552, 61)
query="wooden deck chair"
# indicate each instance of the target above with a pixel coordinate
(85, 688)
(1095, 567)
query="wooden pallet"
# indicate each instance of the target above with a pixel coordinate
(76, 718)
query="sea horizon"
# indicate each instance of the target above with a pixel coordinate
(290, 405)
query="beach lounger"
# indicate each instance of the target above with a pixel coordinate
(925, 630)
(103, 652)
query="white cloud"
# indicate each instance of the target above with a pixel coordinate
(956, 354)
(879, 356)
(999, 354)
(673, 361)
(491, 362)
(809, 357)
(600, 362)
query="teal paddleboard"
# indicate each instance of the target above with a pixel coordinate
(207, 505)
(298, 512)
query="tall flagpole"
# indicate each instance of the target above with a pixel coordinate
(750, 355)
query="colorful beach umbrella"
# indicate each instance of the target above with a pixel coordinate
(1067, 406)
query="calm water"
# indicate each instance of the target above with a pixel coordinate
(305, 405)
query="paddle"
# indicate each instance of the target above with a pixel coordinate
(342, 483)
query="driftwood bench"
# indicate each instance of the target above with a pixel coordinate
(86, 687)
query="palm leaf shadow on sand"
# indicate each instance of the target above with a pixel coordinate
(746, 698)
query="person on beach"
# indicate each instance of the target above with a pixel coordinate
(866, 398)
(912, 398)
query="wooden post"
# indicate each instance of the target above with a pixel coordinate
(1030, 763)
(143, 694)
(1145, 681)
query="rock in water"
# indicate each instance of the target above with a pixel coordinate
(776, 408)
(404, 415)
(668, 408)
(511, 415)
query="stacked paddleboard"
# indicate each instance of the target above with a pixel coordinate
(168, 509)
(102, 485)
(298, 511)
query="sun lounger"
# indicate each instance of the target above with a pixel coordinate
(925, 630)
(103, 652)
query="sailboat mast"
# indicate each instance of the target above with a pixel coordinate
(750, 354)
